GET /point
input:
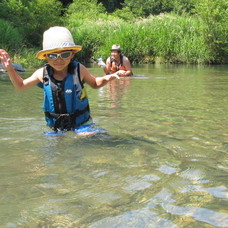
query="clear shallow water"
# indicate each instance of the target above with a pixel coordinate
(162, 163)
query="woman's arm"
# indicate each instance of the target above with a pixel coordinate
(95, 82)
(127, 66)
(107, 69)
(18, 82)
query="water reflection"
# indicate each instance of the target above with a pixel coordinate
(115, 91)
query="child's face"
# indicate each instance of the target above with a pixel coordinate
(59, 60)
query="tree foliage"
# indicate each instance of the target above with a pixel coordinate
(31, 17)
(144, 8)
(88, 9)
(66, 3)
(10, 36)
(215, 16)
(112, 5)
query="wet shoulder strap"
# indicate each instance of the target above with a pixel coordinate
(121, 60)
(45, 75)
(76, 76)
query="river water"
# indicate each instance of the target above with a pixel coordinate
(161, 163)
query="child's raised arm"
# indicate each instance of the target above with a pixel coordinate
(18, 82)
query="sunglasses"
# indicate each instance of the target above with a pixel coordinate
(63, 55)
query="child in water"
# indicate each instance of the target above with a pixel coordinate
(66, 105)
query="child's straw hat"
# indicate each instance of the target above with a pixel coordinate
(57, 39)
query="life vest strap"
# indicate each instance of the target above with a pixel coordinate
(117, 65)
(66, 121)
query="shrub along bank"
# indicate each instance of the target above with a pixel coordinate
(163, 38)
(198, 36)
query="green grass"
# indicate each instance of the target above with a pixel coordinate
(166, 38)
(10, 36)
(13, 42)
(27, 58)
(169, 38)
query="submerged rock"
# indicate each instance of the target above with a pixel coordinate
(18, 67)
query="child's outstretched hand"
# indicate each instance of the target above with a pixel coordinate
(5, 60)
(121, 72)
(111, 77)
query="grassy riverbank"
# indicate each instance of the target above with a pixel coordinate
(163, 38)
(166, 38)
(157, 39)
(198, 36)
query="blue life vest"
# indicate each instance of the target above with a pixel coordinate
(66, 105)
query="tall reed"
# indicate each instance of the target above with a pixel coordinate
(165, 38)
(27, 58)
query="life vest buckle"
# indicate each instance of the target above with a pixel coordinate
(64, 122)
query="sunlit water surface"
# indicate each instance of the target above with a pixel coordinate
(162, 162)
